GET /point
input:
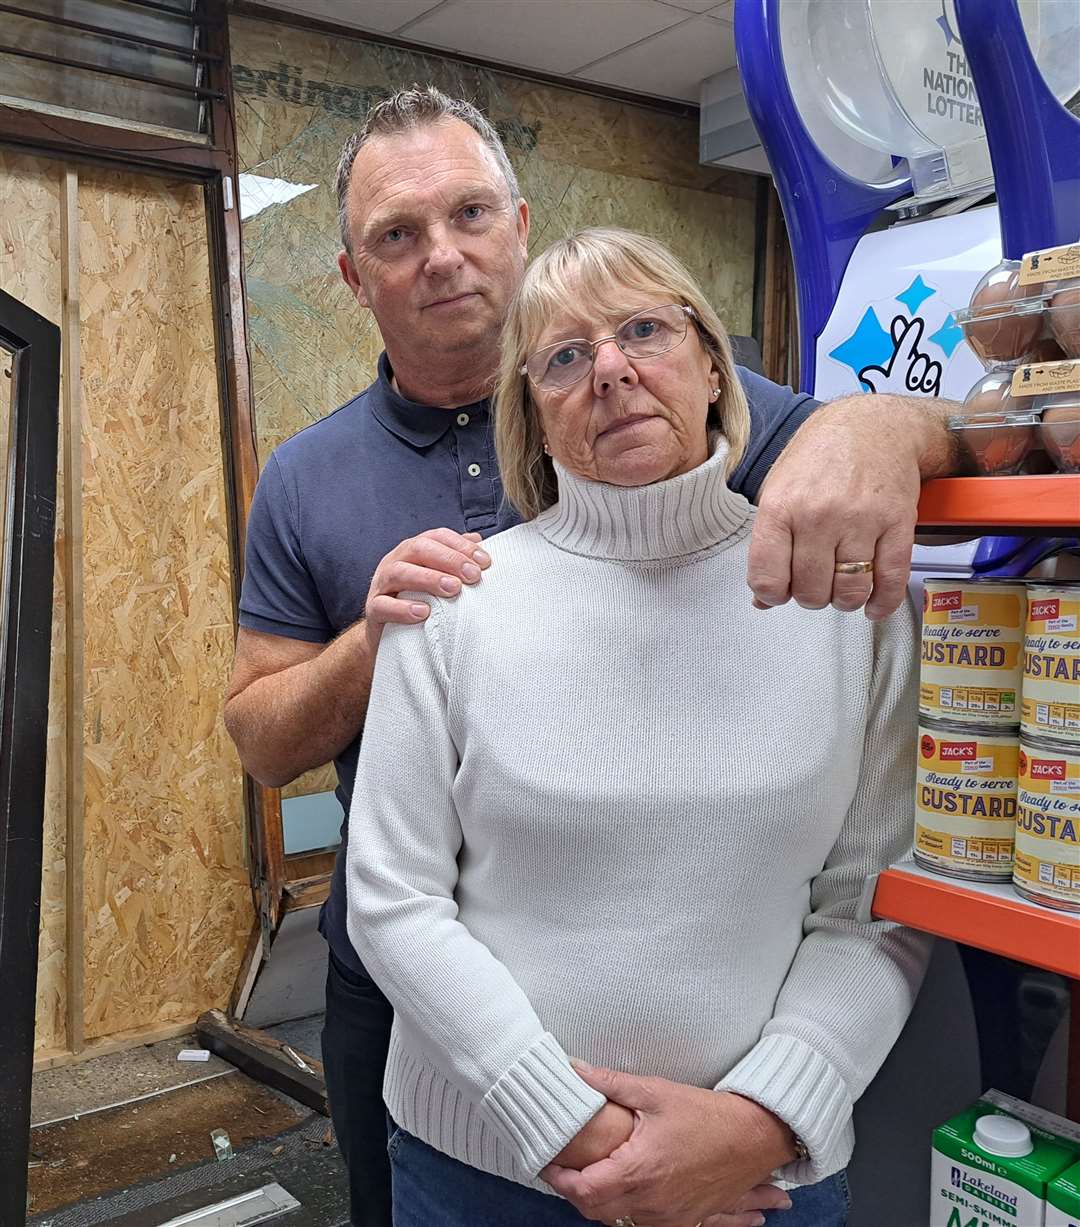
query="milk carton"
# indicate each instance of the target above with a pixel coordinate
(1063, 1199)
(991, 1165)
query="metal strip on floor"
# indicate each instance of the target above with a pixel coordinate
(244, 1211)
(151, 1204)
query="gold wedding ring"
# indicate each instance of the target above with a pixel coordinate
(854, 568)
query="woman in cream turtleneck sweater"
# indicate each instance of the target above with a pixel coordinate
(611, 824)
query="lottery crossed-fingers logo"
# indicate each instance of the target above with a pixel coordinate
(910, 352)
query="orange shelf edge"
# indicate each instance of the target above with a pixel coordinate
(1048, 500)
(1011, 927)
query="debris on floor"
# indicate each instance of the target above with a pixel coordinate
(118, 1147)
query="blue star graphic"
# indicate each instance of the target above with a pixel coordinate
(868, 345)
(943, 21)
(948, 336)
(915, 295)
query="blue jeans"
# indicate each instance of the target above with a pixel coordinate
(433, 1190)
(354, 1042)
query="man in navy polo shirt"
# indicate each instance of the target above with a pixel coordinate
(394, 491)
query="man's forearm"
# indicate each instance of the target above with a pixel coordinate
(919, 422)
(288, 722)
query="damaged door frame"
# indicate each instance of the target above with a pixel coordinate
(33, 345)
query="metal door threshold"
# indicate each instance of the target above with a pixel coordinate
(258, 1206)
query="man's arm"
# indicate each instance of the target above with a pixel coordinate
(846, 489)
(294, 705)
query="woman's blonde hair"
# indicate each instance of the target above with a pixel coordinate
(596, 266)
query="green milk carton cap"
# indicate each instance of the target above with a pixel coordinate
(1063, 1198)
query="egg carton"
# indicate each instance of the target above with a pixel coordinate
(1026, 311)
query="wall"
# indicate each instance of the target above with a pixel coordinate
(166, 904)
(581, 160)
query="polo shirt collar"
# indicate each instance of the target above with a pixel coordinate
(420, 425)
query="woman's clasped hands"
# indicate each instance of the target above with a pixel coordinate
(662, 1154)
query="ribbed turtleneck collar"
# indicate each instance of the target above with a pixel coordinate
(668, 519)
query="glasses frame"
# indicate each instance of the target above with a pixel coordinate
(689, 312)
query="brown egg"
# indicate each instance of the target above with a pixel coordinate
(1004, 319)
(995, 442)
(1060, 432)
(1046, 350)
(1000, 449)
(1065, 317)
(991, 394)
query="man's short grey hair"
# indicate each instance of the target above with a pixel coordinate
(404, 111)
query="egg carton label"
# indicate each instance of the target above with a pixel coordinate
(1050, 264)
(1044, 378)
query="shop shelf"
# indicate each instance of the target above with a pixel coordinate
(1049, 500)
(991, 916)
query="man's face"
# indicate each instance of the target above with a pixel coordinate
(438, 247)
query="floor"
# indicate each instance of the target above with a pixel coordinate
(124, 1140)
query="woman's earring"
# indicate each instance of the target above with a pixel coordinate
(547, 450)
(715, 394)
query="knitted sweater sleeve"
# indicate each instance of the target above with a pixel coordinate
(852, 982)
(459, 1002)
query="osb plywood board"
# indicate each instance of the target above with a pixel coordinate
(582, 160)
(320, 779)
(30, 271)
(168, 907)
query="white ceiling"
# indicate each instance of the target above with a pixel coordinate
(659, 47)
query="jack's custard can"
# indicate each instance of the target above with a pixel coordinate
(972, 639)
(1050, 700)
(1047, 867)
(965, 800)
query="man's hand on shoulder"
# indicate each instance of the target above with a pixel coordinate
(437, 561)
(846, 489)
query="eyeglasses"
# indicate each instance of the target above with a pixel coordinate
(644, 335)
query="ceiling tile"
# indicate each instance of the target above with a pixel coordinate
(553, 36)
(672, 64)
(379, 16)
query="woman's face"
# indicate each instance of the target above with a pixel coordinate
(630, 421)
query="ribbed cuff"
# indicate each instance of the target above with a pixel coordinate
(540, 1103)
(798, 1085)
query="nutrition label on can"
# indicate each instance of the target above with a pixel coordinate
(982, 699)
(1043, 717)
(953, 849)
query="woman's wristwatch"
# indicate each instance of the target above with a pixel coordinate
(802, 1155)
